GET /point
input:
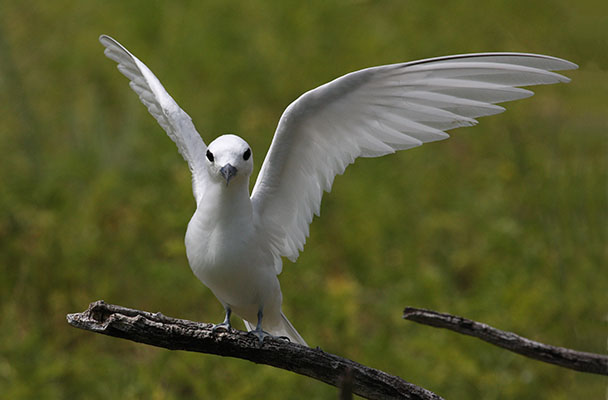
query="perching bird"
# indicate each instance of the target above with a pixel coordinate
(235, 241)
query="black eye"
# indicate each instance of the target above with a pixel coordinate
(247, 154)
(209, 156)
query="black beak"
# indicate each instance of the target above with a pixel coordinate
(228, 172)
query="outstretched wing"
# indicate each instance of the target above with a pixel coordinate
(161, 105)
(373, 112)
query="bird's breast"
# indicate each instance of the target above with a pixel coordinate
(233, 261)
(223, 249)
(210, 242)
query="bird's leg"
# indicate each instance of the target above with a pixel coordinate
(226, 324)
(258, 332)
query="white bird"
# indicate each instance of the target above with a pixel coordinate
(235, 241)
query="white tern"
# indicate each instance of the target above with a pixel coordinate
(235, 240)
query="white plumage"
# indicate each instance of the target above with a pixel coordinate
(234, 240)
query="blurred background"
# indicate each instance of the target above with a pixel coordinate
(504, 223)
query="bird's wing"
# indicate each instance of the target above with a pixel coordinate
(373, 112)
(161, 105)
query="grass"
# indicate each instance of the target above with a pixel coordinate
(503, 223)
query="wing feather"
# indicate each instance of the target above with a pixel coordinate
(162, 107)
(377, 111)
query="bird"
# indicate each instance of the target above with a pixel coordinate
(236, 240)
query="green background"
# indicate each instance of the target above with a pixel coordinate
(503, 223)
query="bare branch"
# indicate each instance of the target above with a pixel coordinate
(178, 334)
(578, 360)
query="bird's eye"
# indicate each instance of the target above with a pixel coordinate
(209, 156)
(247, 154)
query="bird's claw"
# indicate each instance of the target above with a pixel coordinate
(224, 325)
(261, 335)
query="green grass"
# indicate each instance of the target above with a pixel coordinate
(504, 223)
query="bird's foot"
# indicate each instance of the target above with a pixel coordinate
(224, 325)
(261, 335)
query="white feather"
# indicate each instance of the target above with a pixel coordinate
(376, 111)
(164, 109)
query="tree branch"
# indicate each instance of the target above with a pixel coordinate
(178, 334)
(578, 360)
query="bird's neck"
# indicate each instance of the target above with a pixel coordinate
(224, 216)
(227, 202)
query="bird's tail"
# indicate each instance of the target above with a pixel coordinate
(283, 328)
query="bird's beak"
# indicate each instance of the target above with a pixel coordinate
(228, 172)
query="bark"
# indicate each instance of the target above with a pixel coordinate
(177, 334)
(568, 358)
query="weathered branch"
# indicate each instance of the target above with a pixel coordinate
(178, 334)
(578, 360)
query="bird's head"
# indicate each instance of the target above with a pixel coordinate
(229, 159)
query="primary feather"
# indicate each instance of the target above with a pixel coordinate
(164, 109)
(377, 111)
